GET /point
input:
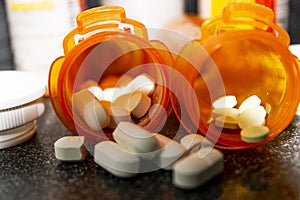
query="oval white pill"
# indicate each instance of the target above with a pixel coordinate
(134, 138)
(228, 101)
(193, 142)
(170, 151)
(193, 171)
(90, 110)
(254, 116)
(70, 148)
(250, 102)
(116, 160)
(231, 112)
(226, 122)
(254, 134)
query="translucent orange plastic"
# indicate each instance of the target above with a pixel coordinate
(106, 43)
(241, 53)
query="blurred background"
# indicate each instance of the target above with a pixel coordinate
(31, 31)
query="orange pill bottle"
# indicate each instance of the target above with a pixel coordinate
(242, 53)
(106, 44)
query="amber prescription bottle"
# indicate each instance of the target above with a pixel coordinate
(241, 52)
(106, 43)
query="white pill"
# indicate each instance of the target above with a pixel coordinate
(134, 138)
(90, 110)
(231, 112)
(116, 160)
(193, 142)
(194, 170)
(254, 134)
(252, 117)
(170, 151)
(70, 148)
(116, 114)
(142, 83)
(250, 102)
(97, 92)
(225, 102)
(226, 122)
(111, 94)
(137, 103)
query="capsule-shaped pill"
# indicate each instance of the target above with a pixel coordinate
(134, 138)
(193, 142)
(90, 110)
(121, 163)
(170, 151)
(70, 148)
(194, 170)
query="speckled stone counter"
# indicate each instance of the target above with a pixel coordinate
(30, 171)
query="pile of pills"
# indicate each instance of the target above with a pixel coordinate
(105, 108)
(133, 145)
(134, 148)
(250, 117)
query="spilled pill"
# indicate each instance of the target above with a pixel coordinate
(250, 102)
(254, 116)
(194, 170)
(225, 102)
(137, 103)
(170, 151)
(135, 138)
(193, 142)
(90, 110)
(110, 156)
(254, 134)
(70, 148)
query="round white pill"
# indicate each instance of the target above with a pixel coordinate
(134, 138)
(116, 114)
(254, 116)
(228, 101)
(254, 134)
(110, 156)
(250, 102)
(226, 122)
(231, 112)
(193, 171)
(137, 103)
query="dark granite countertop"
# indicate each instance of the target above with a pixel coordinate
(31, 171)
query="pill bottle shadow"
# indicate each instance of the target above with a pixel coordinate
(104, 44)
(241, 54)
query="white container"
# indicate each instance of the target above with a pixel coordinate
(37, 29)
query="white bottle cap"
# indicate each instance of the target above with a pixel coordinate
(19, 87)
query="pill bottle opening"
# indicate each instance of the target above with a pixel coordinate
(108, 60)
(241, 63)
